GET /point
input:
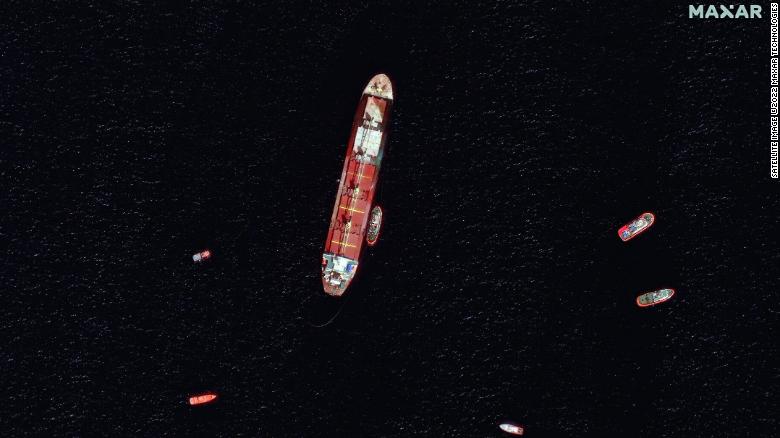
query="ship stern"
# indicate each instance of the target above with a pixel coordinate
(337, 273)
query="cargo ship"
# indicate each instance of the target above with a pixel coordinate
(349, 222)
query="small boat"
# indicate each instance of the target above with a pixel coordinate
(514, 429)
(202, 399)
(374, 225)
(636, 227)
(655, 297)
(203, 255)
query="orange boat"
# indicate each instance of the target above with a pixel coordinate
(203, 398)
(349, 223)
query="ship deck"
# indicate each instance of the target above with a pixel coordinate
(352, 209)
(349, 221)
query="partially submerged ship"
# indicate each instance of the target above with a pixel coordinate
(349, 223)
(655, 297)
(636, 227)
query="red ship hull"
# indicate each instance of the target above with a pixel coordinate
(359, 178)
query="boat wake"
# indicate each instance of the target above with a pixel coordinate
(324, 309)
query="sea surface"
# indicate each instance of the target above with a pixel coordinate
(524, 134)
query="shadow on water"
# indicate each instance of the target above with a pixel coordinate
(322, 309)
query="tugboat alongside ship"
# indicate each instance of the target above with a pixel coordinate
(374, 226)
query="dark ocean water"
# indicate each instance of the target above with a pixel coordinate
(523, 136)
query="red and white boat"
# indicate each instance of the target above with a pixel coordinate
(202, 399)
(636, 227)
(511, 428)
(648, 299)
(201, 256)
(349, 222)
